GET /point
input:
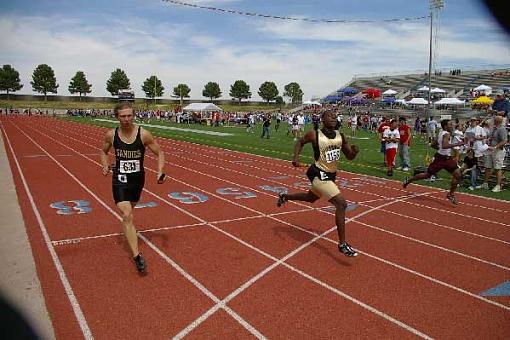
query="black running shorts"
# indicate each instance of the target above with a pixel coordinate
(129, 191)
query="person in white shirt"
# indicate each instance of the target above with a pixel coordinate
(476, 137)
(431, 129)
(392, 137)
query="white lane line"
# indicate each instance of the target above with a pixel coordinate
(367, 225)
(87, 334)
(202, 288)
(372, 256)
(274, 265)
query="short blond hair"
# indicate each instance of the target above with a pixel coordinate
(122, 106)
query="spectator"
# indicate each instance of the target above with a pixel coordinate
(265, 126)
(470, 165)
(496, 155)
(476, 136)
(380, 132)
(501, 106)
(404, 144)
(431, 129)
(392, 137)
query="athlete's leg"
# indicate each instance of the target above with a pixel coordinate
(126, 209)
(340, 204)
(455, 181)
(302, 196)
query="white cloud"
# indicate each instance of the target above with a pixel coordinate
(321, 57)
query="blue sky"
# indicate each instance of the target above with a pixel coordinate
(194, 46)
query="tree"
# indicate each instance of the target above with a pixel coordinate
(268, 91)
(240, 90)
(152, 87)
(279, 101)
(211, 90)
(9, 80)
(118, 81)
(43, 80)
(79, 84)
(293, 91)
(182, 91)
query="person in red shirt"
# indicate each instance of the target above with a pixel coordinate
(404, 144)
(380, 131)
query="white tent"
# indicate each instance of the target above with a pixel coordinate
(450, 101)
(309, 102)
(423, 88)
(418, 101)
(401, 101)
(482, 88)
(437, 90)
(202, 107)
(389, 92)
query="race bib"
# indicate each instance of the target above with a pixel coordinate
(332, 155)
(128, 167)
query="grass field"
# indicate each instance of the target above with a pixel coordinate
(369, 161)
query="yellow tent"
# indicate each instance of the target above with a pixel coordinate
(483, 100)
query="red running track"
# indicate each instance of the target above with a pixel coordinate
(235, 265)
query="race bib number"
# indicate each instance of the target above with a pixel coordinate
(324, 176)
(128, 167)
(332, 155)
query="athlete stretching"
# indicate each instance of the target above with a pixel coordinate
(327, 143)
(129, 142)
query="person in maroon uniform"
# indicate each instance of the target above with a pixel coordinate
(129, 142)
(443, 160)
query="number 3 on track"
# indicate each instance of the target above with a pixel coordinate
(188, 197)
(236, 191)
(80, 207)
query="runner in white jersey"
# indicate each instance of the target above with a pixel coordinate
(442, 160)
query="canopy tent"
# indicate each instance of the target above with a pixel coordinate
(348, 90)
(202, 107)
(332, 98)
(437, 90)
(389, 92)
(449, 101)
(372, 93)
(418, 101)
(311, 103)
(482, 88)
(423, 88)
(401, 101)
(483, 100)
(388, 100)
(357, 101)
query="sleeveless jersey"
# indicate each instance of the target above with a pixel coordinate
(128, 158)
(441, 151)
(327, 151)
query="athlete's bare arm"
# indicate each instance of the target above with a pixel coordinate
(350, 151)
(149, 141)
(309, 137)
(107, 145)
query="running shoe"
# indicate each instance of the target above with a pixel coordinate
(406, 182)
(140, 263)
(282, 198)
(452, 198)
(346, 249)
(496, 188)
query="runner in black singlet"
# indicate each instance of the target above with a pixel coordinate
(129, 142)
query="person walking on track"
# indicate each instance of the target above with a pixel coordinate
(129, 142)
(327, 145)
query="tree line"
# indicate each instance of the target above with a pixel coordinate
(44, 81)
